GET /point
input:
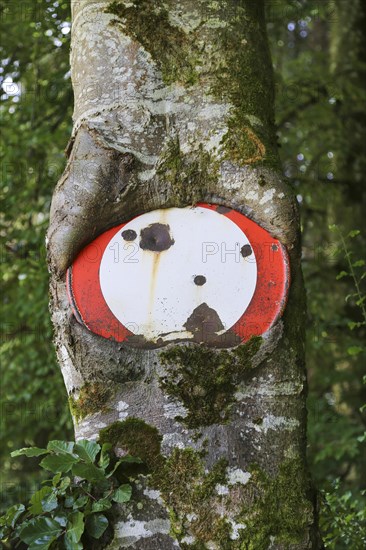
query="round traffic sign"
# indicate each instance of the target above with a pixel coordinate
(206, 274)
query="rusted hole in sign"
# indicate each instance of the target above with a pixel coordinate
(156, 237)
(205, 319)
(129, 235)
(199, 280)
(246, 250)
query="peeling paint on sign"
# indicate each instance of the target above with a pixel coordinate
(206, 274)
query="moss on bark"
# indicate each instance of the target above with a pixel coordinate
(169, 46)
(93, 397)
(230, 62)
(189, 176)
(205, 380)
(137, 437)
(205, 505)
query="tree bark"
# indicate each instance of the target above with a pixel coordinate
(174, 105)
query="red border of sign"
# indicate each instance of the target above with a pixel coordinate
(266, 306)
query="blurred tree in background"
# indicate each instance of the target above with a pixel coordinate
(36, 119)
(319, 53)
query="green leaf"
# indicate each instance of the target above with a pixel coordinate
(61, 446)
(101, 505)
(75, 526)
(56, 479)
(354, 350)
(61, 519)
(12, 515)
(341, 275)
(358, 263)
(29, 451)
(123, 493)
(80, 502)
(65, 483)
(353, 233)
(69, 501)
(352, 325)
(49, 503)
(104, 455)
(37, 498)
(39, 533)
(58, 463)
(87, 450)
(88, 471)
(96, 524)
(72, 545)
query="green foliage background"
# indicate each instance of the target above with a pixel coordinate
(319, 52)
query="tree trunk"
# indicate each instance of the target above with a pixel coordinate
(174, 106)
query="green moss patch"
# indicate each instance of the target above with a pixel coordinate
(137, 437)
(277, 507)
(188, 176)
(93, 398)
(190, 492)
(170, 47)
(205, 380)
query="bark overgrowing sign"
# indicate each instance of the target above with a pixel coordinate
(206, 274)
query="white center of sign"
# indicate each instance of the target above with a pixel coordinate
(165, 270)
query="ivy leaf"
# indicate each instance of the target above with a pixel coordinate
(123, 493)
(96, 524)
(87, 450)
(12, 515)
(75, 527)
(40, 533)
(58, 463)
(61, 446)
(29, 451)
(88, 471)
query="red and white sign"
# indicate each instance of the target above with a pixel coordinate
(206, 274)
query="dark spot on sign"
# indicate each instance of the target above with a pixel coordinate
(129, 235)
(274, 247)
(156, 237)
(246, 250)
(223, 209)
(199, 280)
(204, 319)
